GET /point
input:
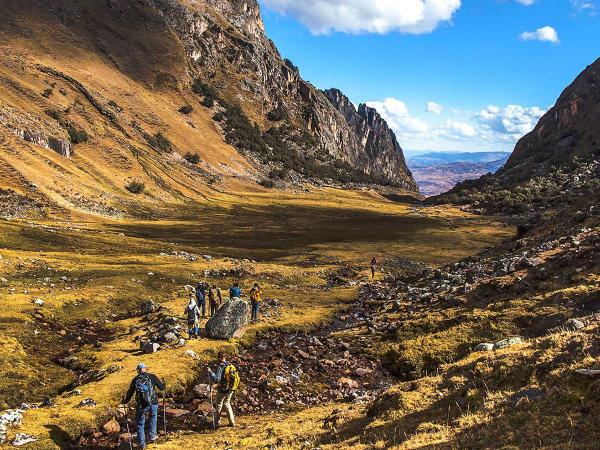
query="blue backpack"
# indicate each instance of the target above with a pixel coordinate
(144, 389)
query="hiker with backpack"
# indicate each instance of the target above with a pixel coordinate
(201, 297)
(144, 387)
(212, 300)
(235, 291)
(228, 380)
(255, 294)
(373, 266)
(192, 314)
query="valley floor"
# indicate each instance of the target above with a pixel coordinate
(93, 275)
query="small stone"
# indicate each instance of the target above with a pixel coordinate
(361, 372)
(348, 382)
(23, 439)
(303, 354)
(201, 391)
(111, 427)
(508, 342)
(574, 324)
(38, 302)
(484, 347)
(87, 403)
(191, 354)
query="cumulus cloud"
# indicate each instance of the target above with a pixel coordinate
(434, 108)
(507, 124)
(367, 16)
(492, 127)
(526, 2)
(544, 34)
(396, 113)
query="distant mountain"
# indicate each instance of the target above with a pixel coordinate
(438, 172)
(434, 158)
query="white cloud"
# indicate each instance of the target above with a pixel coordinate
(492, 128)
(434, 108)
(396, 113)
(584, 7)
(544, 34)
(526, 2)
(507, 124)
(367, 16)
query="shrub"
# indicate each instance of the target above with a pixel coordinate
(135, 186)
(193, 158)
(208, 102)
(278, 114)
(77, 135)
(267, 184)
(186, 109)
(47, 92)
(160, 142)
(219, 117)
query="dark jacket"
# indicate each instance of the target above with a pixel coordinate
(234, 292)
(155, 382)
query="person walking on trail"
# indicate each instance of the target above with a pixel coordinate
(212, 300)
(219, 296)
(373, 266)
(192, 314)
(228, 381)
(144, 387)
(255, 294)
(201, 297)
(235, 291)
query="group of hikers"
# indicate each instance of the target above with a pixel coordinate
(144, 385)
(226, 376)
(196, 308)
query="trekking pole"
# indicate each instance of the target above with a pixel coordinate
(127, 426)
(211, 401)
(165, 411)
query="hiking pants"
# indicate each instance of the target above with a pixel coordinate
(224, 400)
(202, 306)
(193, 329)
(255, 308)
(213, 309)
(140, 417)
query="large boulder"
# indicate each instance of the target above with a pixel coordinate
(232, 317)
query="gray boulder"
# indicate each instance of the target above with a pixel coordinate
(508, 342)
(484, 347)
(230, 319)
(574, 324)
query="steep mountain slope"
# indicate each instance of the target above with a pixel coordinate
(95, 95)
(548, 164)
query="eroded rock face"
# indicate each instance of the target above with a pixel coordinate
(568, 128)
(229, 319)
(361, 138)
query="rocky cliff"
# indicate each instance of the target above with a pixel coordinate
(183, 96)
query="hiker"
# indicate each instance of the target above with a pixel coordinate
(255, 301)
(212, 300)
(219, 296)
(143, 386)
(193, 315)
(235, 291)
(201, 297)
(373, 266)
(228, 379)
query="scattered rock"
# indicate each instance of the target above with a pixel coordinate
(347, 382)
(526, 394)
(149, 347)
(508, 342)
(192, 354)
(484, 347)
(574, 324)
(9, 418)
(23, 439)
(591, 373)
(38, 302)
(111, 427)
(201, 391)
(87, 403)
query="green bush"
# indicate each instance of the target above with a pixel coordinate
(135, 186)
(77, 135)
(278, 114)
(47, 92)
(219, 117)
(186, 109)
(193, 158)
(160, 142)
(267, 184)
(208, 102)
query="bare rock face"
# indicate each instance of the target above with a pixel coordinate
(229, 319)
(361, 138)
(568, 130)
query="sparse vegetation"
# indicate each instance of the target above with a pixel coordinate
(278, 114)
(77, 135)
(47, 92)
(160, 142)
(135, 186)
(192, 158)
(186, 109)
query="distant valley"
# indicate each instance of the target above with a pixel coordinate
(438, 172)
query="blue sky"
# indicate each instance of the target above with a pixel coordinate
(448, 75)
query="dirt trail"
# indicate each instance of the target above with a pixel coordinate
(281, 372)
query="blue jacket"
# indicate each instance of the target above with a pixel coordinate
(235, 292)
(217, 376)
(201, 294)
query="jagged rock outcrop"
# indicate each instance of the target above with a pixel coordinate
(385, 156)
(268, 82)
